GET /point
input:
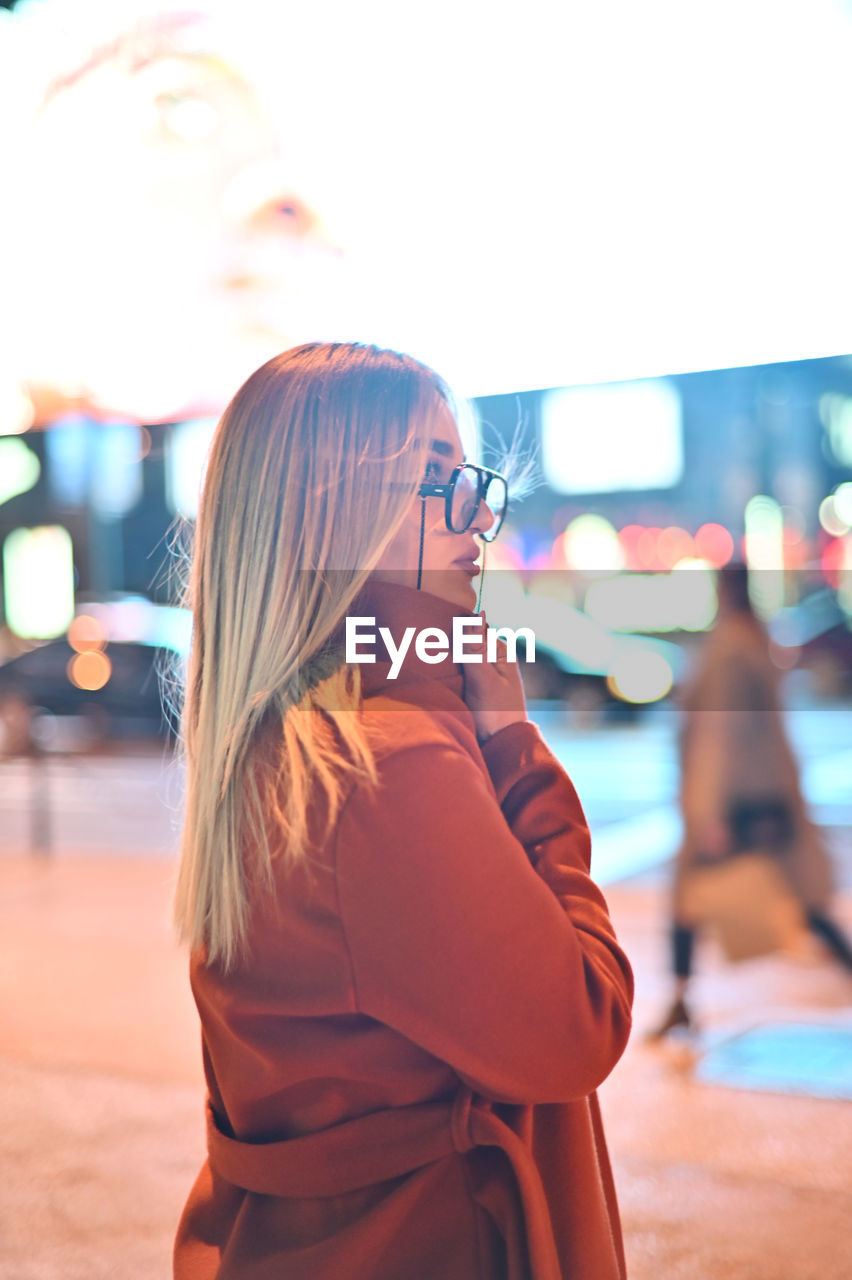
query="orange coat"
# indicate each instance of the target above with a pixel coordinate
(401, 1080)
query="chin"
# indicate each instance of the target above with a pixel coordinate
(457, 588)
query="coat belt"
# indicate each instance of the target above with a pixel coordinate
(380, 1146)
(345, 1157)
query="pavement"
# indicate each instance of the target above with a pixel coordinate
(101, 1086)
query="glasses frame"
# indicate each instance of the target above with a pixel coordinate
(484, 477)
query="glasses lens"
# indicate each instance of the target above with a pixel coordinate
(465, 503)
(497, 498)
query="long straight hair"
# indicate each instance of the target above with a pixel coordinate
(312, 468)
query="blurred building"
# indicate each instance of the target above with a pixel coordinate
(661, 460)
(668, 465)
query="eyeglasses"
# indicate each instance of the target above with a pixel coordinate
(467, 487)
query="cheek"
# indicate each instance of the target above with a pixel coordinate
(439, 546)
(401, 551)
(435, 551)
(404, 550)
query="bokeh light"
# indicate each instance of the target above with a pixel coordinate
(86, 633)
(714, 544)
(764, 552)
(646, 548)
(38, 581)
(592, 545)
(89, 670)
(683, 600)
(19, 469)
(836, 561)
(842, 497)
(629, 538)
(673, 545)
(186, 461)
(17, 412)
(620, 435)
(640, 676)
(831, 519)
(836, 413)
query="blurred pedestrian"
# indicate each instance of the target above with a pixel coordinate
(409, 986)
(740, 790)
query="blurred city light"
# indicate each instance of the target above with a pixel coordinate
(620, 436)
(673, 545)
(647, 548)
(714, 544)
(836, 561)
(38, 581)
(590, 544)
(569, 632)
(186, 459)
(70, 445)
(844, 585)
(86, 633)
(683, 600)
(19, 469)
(830, 518)
(17, 411)
(89, 670)
(583, 645)
(764, 549)
(835, 412)
(629, 537)
(138, 620)
(116, 468)
(843, 503)
(642, 676)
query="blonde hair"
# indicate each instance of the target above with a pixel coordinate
(313, 466)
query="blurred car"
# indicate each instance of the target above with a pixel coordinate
(597, 671)
(55, 698)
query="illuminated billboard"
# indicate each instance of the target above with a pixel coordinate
(558, 198)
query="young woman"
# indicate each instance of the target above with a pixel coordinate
(409, 986)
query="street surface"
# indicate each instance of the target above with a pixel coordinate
(626, 777)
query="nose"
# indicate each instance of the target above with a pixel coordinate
(484, 518)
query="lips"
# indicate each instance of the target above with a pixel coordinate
(468, 564)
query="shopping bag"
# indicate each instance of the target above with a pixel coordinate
(747, 902)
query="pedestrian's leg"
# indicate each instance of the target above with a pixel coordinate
(829, 932)
(682, 951)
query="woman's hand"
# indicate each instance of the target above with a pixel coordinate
(493, 691)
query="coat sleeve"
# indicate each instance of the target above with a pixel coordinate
(476, 931)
